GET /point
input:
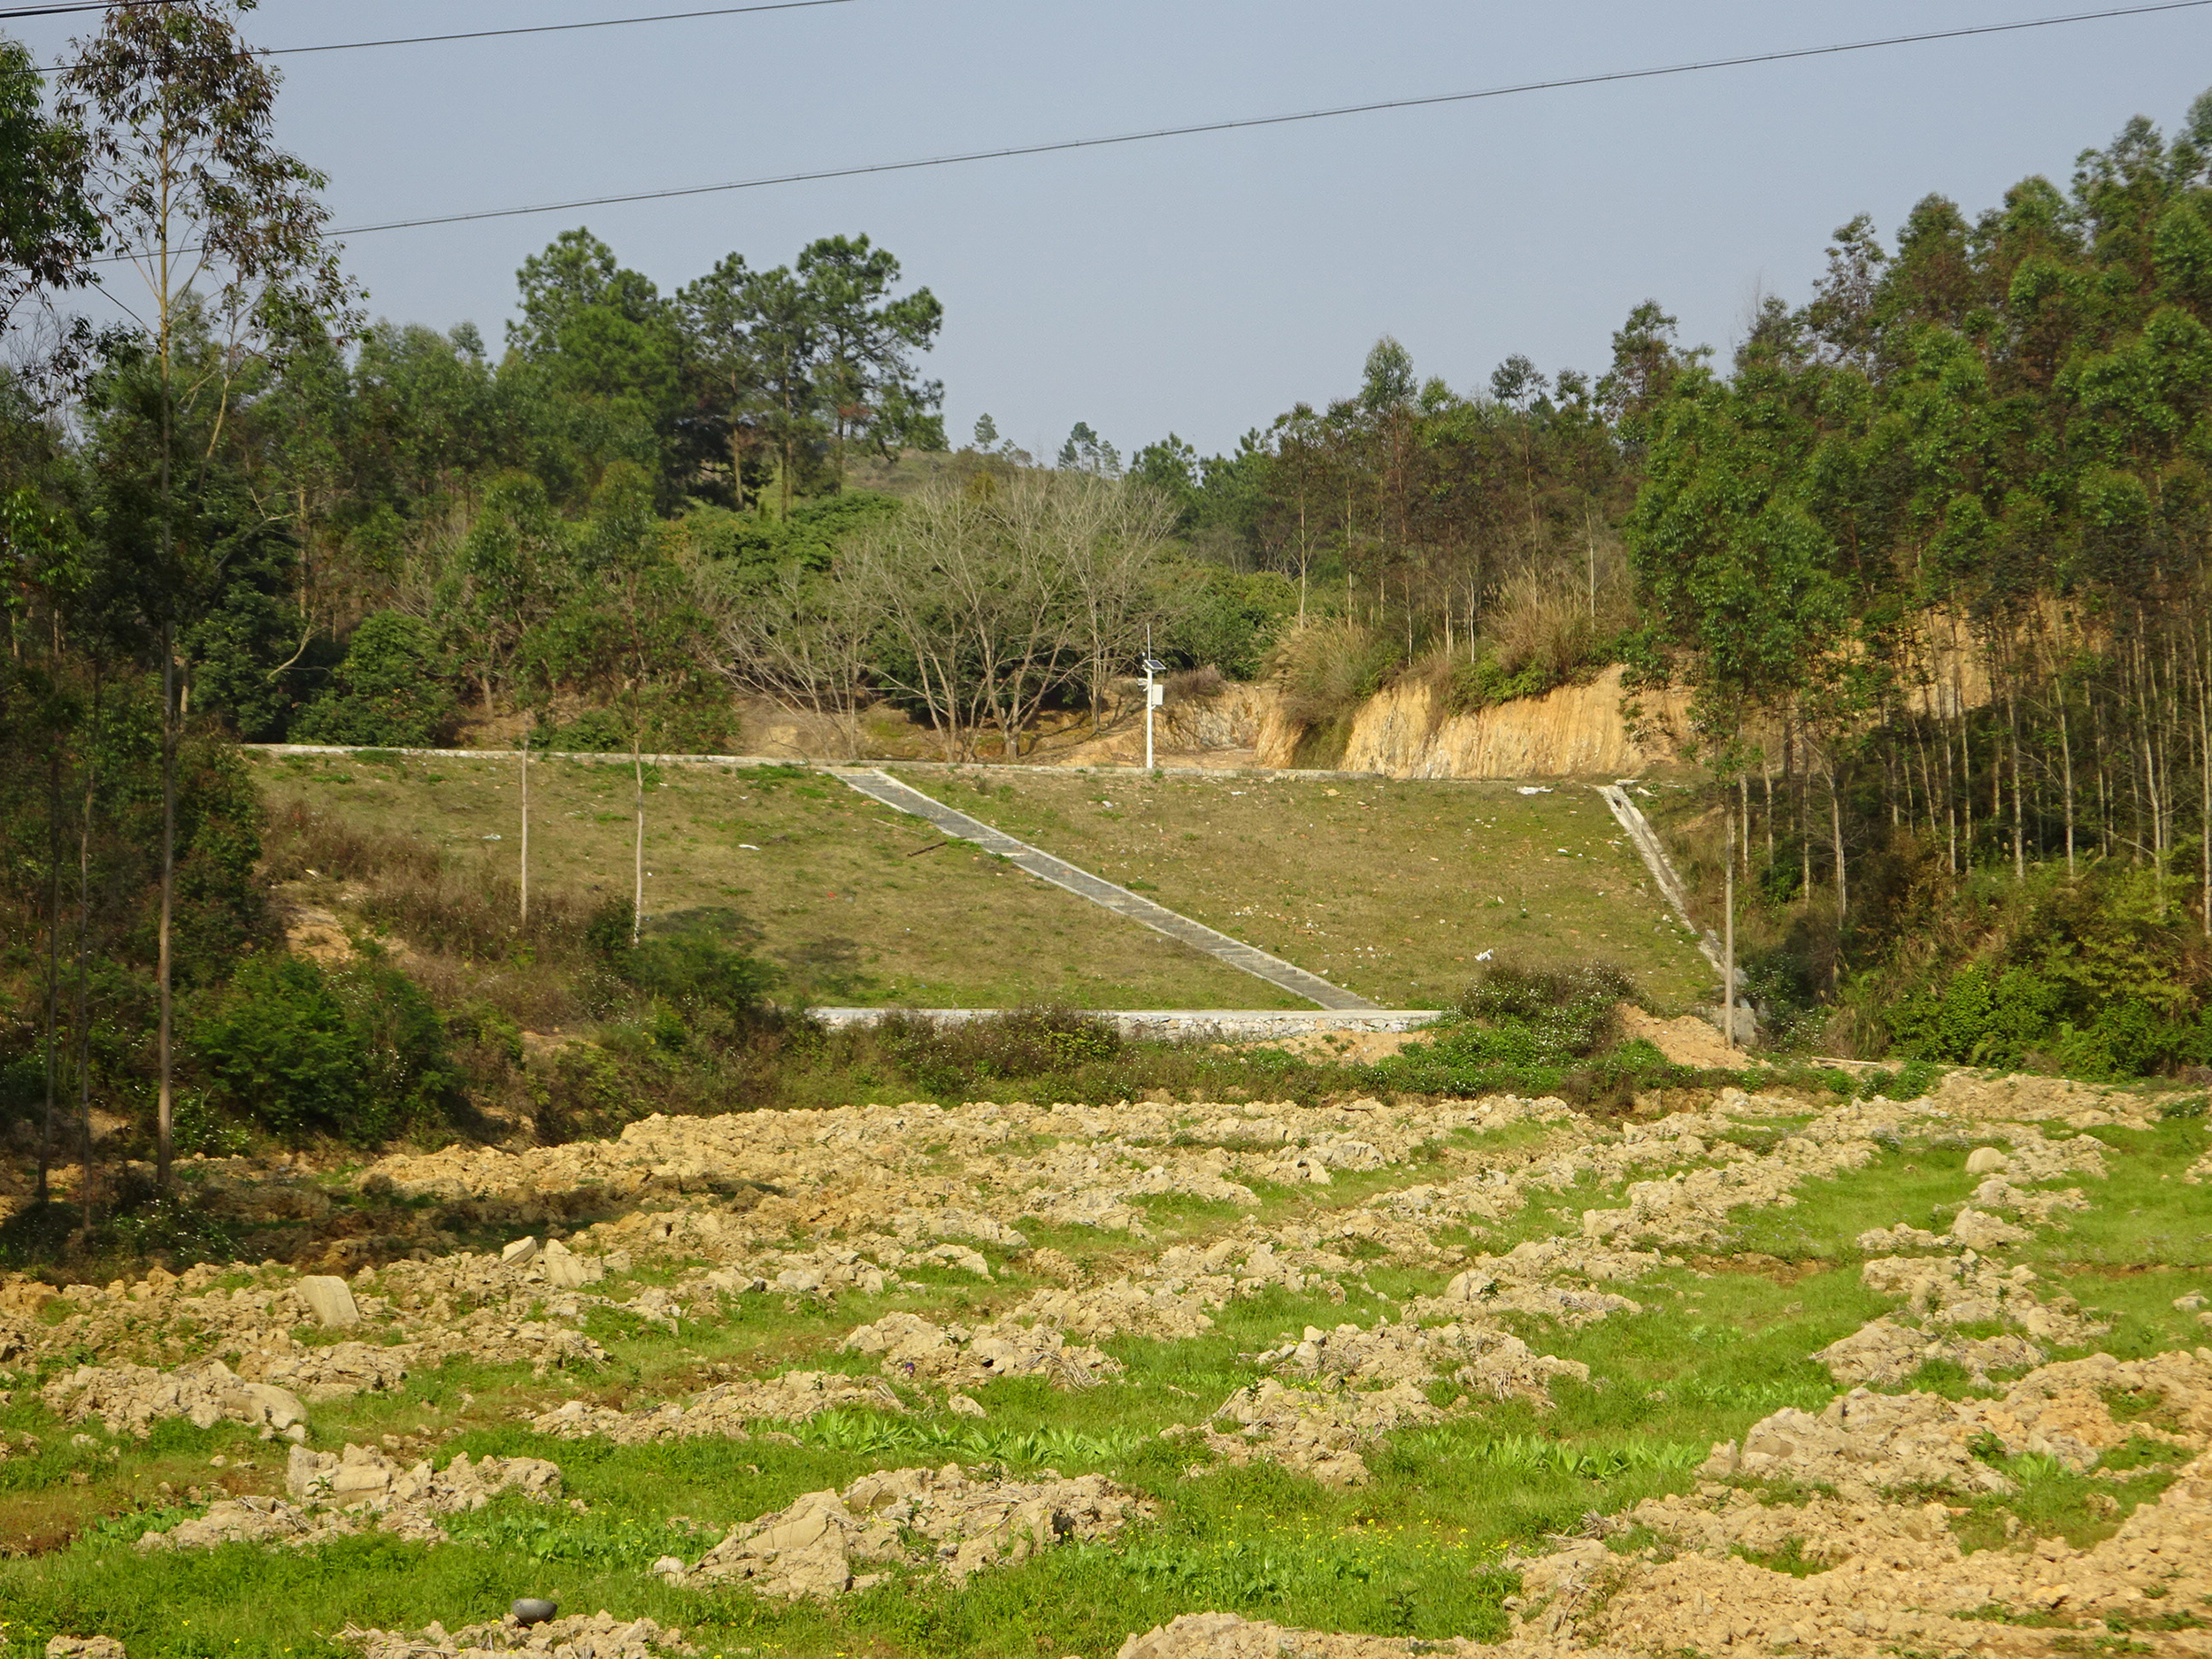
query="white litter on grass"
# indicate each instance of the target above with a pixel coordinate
(747, 847)
(492, 838)
(1484, 956)
(1532, 788)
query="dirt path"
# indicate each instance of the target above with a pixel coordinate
(880, 786)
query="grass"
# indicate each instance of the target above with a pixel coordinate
(1391, 889)
(855, 902)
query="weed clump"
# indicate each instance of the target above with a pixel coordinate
(1545, 1031)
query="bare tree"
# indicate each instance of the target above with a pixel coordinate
(998, 594)
(800, 640)
(1108, 535)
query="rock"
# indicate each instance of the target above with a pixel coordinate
(331, 1494)
(84, 1648)
(131, 1398)
(521, 1253)
(1985, 1161)
(331, 1300)
(566, 1271)
(1231, 1636)
(1865, 1443)
(580, 1636)
(724, 1409)
(917, 1348)
(1980, 1232)
(965, 1406)
(811, 1549)
(1313, 1432)
(533, 1610)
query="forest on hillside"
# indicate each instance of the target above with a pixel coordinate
(1928, 555)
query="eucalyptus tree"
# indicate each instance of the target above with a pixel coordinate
(47, 229)
(191, 188)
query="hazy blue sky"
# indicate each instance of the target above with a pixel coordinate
(1205, 284)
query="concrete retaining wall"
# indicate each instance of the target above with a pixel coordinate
(1221, 1023)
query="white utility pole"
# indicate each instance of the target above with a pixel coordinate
(525, 827)
(1154, 693)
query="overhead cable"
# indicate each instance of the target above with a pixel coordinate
(1242, 123)
(465, 34)
(76, 5)
(549, 28)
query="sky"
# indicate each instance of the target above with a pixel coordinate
(1202, 284)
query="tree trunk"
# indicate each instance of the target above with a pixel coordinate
(2204, 781)
(1766, 770)
(2019, 845)
(84, 936)
(53, 954)
(1728, 930)
(164, 1109)
(1843, 884)
(2066, 760)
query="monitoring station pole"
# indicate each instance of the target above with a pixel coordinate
(1154, 693)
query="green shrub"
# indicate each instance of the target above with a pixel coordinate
(607, 931)
(2096, 977)
(359, 1053)
(1567, 1012)
(1485, 682)
(1027, 1043)
(698, 976)
(1536, 1031)
(595, 731)
(1223, 618)
(390, 689)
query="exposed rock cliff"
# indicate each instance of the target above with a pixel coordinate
(1576, 731)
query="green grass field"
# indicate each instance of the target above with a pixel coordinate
(858, 904)
(1394, 890)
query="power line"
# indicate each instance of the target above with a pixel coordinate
(77, 5)
(1237, 124)
(548, 28)
(440, 39)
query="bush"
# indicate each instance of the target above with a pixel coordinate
(1485, 682)
(1027, 1043)
(1547, 625)
(707, 984)
(1223, 618)
(1571, 1010)
(1536, 1030)
(2095, 977)
(1329, 666)
(593, 732)
(359, 1053)
(390, 690)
